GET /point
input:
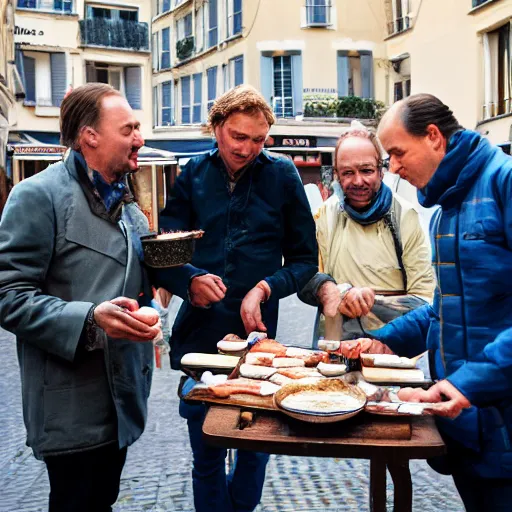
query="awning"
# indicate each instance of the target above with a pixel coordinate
(183, 147)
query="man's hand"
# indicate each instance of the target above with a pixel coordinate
(444, 390)
(206, 289)
(357, 302)
(353, 348)
(117, 323)
(330, 298)
(250, 311)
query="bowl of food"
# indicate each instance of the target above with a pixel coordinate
(325, 401)
(169, 249)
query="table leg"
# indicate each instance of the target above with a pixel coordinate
(402, 482)
(377, 485)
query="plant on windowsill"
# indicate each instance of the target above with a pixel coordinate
(185, 48)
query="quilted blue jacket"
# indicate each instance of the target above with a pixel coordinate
(469, 330)
(262, 230)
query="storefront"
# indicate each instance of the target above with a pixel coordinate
(151, 184)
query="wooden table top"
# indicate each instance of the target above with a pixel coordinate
(364, 436)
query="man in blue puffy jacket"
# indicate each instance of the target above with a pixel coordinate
(469, 330)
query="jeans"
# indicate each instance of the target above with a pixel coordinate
(85, 481)
(477, 493)
(214, 491)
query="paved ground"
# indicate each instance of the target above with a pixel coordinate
(157, 473)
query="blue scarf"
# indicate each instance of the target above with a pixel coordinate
(111, 193)
(379, 206)
(466, 156)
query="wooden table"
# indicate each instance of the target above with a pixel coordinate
(387, 441)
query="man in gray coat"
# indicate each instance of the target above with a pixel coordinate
(68, 246)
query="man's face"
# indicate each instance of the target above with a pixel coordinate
(414, 158)
(241, 139)
(360, 176)
(118, 138)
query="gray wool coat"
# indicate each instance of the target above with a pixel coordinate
(60, 253)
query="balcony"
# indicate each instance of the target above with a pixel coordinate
(185, 48)
(318, 13)
(122, 34)
(399, 25)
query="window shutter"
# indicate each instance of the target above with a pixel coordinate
(132, 80)
(212, 24)
(198, 94)
(266, 78)
(59, 77)
(239, 70)
(19, 65)
(29, 66)
(366, 74)
(297, 84)
(343, 73)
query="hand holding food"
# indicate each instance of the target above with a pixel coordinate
(116, 318)
(330, 298)
(250, 311)
(351, 349)
(443, 390)
(206, 289)
(357, 302)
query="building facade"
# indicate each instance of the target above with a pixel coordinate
(461, 52)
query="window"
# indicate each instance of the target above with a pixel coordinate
(211, 78)
(112, 14)
(185, 100)
(44, 77)
(199, 30)
(156, 104)
(127, 80)
(498, 71)
(355, 73)
(56, 6)
(167, 104)
(402, 90)
(212, 24)
(165, 57)
(283, 98)
(400, 13)
(237, 71)
(198, 93)
(184, 27)
(234, 17)
(318, 13)
(162, 6)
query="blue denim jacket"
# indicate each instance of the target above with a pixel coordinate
(247, 234)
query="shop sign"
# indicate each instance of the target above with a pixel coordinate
(292, 142)
(25, 149)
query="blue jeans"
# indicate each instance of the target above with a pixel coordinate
(214, 491)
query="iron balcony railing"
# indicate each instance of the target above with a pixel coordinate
(399, 25)
(318, 13)
(185, 48)
(124, 34)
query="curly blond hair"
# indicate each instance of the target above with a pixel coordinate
(243, 98)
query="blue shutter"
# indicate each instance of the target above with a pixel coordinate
(267, 78)
(132, 79)
(185, 100)
(212, 24)
(237, 16)
(59, 77)
(211, 75)
(239, 70)
(297, 84)
(29, 66)
(343, 73)
(198, 94)
(166, 49)
(366, 74)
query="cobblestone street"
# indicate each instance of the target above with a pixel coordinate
(157, 473)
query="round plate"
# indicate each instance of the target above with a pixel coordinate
(320, 386)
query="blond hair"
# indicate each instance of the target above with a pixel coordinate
(244, 99)
(357, 129)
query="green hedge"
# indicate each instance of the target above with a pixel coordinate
(345, 106)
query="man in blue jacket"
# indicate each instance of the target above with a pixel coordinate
(469, 331)
(254, 212)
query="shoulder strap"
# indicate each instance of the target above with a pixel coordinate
(392, 221)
